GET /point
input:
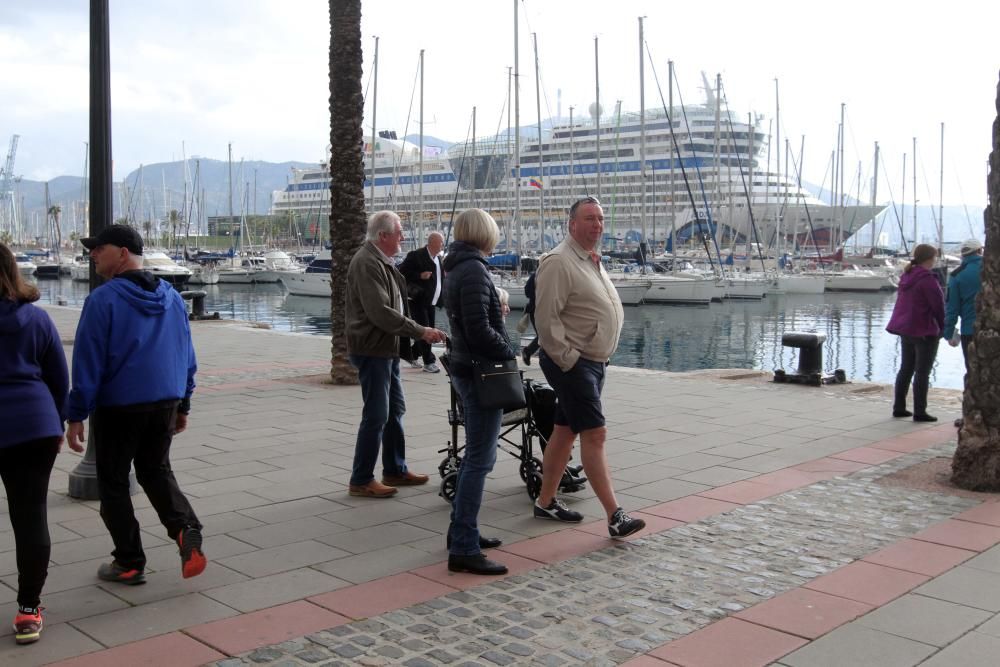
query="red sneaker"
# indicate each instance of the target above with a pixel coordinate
(193, 560)
(28, 627)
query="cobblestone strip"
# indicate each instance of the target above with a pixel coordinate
(605, 607)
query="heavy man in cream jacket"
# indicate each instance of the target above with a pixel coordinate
(578, 317)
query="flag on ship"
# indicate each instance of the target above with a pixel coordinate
(535, 183)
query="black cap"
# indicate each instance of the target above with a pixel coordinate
(122, 236)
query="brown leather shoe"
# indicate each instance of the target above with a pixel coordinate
(372, 489)
(406, 479)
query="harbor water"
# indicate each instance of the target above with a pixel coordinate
(732, 334)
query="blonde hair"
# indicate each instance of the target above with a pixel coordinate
(477, 228)
(921, 254)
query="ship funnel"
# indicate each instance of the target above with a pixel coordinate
(596, 110)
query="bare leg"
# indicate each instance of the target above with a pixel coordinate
(554, 460)
(595, 464)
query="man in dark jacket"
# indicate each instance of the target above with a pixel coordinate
(376, 316)
(133, 375)
(422, 270)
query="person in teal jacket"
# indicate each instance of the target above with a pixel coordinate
(963, 286)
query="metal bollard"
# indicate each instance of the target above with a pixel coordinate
(810, 370)
(197, 299)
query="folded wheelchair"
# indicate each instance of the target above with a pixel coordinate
(518, 431)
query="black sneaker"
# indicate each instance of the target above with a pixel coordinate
(114, 572)
(193, 560)
(557, 511)
(622, 525)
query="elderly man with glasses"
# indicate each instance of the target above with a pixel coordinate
(578, 317)
(377, 319)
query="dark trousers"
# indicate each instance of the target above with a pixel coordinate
(917, 360)
(423, 314)
(965, 349)
(25, 469)
(140, 436)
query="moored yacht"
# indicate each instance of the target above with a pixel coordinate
(160, 265)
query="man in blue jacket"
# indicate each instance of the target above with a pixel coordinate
(963, 286)
(133, 375)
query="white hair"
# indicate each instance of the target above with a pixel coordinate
(381, 222)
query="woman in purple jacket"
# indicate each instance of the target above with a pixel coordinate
(917, 318)
(33, 387)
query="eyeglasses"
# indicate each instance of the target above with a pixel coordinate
(577, 204)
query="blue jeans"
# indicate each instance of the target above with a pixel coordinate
(482, 427)
(381, 419)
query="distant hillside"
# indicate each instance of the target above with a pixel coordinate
(162, 188)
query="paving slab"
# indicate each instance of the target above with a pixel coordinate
(269, 449)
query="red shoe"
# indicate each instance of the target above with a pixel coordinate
(193, 561)
(28, 627)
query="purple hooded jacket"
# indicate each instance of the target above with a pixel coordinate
(919, 309)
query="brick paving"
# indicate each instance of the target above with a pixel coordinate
(767, 534)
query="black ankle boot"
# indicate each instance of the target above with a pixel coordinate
(901, 413)
(478, 564)
(924, 418)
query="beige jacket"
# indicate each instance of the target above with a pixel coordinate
(577, 309)
(375, 292)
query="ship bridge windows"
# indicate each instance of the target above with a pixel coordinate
(315, 175)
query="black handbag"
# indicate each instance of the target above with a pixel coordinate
(498, 384)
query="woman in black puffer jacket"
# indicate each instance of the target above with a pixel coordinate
(477, 331)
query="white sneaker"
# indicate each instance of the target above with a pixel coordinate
(415, 364)
(432, 368)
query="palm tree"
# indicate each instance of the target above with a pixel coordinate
(54, 212)
(347, 197)
(976, 464)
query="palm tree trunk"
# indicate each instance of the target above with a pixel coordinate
(347, 197)
(976, 464)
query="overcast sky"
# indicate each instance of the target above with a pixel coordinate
(254, 73)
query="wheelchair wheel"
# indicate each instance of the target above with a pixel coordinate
(449, 464)
(448, 486)
(534, 485)
(529, 467)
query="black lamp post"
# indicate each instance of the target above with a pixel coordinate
(83, 478)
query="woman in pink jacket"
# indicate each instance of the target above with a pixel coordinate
(917, 318)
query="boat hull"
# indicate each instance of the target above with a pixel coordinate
(306, 284)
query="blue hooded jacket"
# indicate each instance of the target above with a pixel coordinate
(33, 376)
(963, 286)
(133, 346)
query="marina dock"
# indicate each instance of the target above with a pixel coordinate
(787, 525)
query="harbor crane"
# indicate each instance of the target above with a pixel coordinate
(8, 202)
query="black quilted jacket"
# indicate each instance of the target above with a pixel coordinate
(473, 306)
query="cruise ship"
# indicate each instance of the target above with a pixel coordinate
(716, 186)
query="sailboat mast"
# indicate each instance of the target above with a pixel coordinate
(783, 182)
(902, 206)
(673, 207)
(874, 195)
(572, 154)
(230, 186)
(517, 140)
(597, 112)
(941, 200)
(420, 187)
(541, 165)
(473, 195)
(915, 239)
(642, 144)
(371, 178)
